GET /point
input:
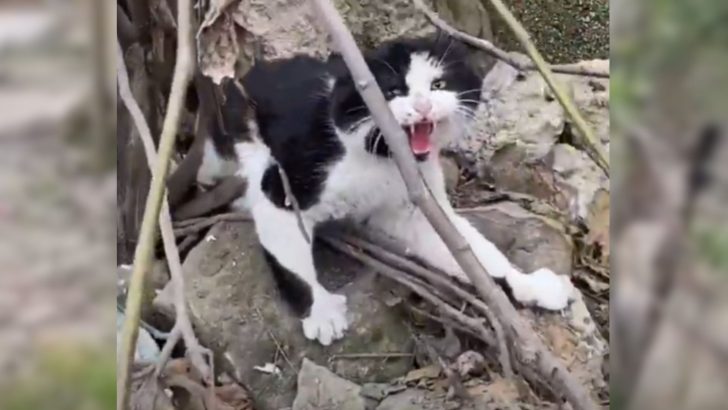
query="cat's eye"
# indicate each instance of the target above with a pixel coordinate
(438, 84)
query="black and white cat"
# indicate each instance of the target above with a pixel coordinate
(310, 120)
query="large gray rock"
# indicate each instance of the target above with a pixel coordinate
(529, 240)
(319, 388)
(285, 27)
(522, 140)
(237, 311)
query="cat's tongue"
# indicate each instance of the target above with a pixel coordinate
(420, 138)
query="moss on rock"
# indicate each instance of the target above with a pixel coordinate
(564, 31)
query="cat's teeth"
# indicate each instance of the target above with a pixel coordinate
(412, 129)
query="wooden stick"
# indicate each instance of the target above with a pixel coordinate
(143, 253)
(401, 277)
(529, 347)
(498, 53)
(441, 280)
(590, 142)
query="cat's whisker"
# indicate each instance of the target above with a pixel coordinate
(388, 66)
(469, 91)
(439, 62)
(470, 101)
(355, 109)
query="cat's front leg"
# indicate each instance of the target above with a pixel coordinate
(290, 256)
(542, 288)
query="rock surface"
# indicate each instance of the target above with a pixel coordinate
(319, 388)
(529, 240)
(284, 27)
(523, 142)
(238, 312)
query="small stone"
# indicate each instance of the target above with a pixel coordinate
(319, 388)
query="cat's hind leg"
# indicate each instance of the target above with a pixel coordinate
(290, 257)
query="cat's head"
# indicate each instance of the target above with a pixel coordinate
(431, 89)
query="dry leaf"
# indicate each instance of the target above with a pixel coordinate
(470, 363)
(218, 48)
(429, 372)
(147, 393)
(234, 397)
(598, 223)
(179, 374)
(214, 11)
(561, 341)
(499, 392)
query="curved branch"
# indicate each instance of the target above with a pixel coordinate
(590, 142)
(156, 198)
(498, 53)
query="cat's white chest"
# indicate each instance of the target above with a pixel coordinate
(358, 185)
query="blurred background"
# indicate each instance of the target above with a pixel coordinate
(57, 191)
(669, 231)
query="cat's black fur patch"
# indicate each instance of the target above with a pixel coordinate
(292, 112)
(294, 107)
(230, 127)
(293, 289)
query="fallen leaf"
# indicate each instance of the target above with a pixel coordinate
(470, 363)
(147, 393)
(213, 12)
(429, 372)
(598, 224)
(501, 392)
(218, 48)
(234, 396)
(561, 341)
(180, 375)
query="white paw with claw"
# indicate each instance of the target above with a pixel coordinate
(542, 288)
(327, 321)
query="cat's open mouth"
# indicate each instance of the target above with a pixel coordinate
(420, 138)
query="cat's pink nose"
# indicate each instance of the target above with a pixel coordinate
(423, 107)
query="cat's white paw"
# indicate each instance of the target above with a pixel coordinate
(327, 321)
(541, 288)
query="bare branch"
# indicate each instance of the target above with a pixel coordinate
(183, 325)
(432, 275)
(476, 325)
(496, 52)
(194, 225)
(156, 198)
(591, 143)
(529, 348)
(291, 199)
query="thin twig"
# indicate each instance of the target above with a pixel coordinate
(496, 52)
(182, 321)
(354, 356)
(279, 347)
(402, 278)
(293, 201)
(452, 377)
(174, 336)
(190, 226)
(156, 202)
(439, 279)
(529, 348)
(445, 322)
(590, 142)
